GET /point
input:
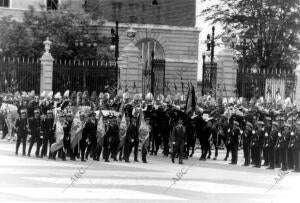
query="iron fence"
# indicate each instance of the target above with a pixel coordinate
(19, 74)
(83, 75)
(258, 84)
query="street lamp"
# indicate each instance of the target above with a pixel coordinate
(203, 71)
(115, 47)
(210, 42)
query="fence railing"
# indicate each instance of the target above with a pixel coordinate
(19, 74)
(83, 75)
(251, 84)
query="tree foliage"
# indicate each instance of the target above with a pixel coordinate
(276, 23)
(63, 27)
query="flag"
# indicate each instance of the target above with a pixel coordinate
(76, 131)
(122, 130)
(190, 100)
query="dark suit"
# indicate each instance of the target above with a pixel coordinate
(35, 128)
(22, 131)
(179, 137)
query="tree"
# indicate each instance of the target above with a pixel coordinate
(64, 27)
(276, 23)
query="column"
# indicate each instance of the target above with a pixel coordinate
(130, 69)
(46, 68)
(226, 73)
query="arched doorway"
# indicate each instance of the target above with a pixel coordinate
(152, 55)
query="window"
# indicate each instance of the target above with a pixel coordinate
(4, 3)
(52, 4)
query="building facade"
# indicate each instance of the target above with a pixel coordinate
(166, 30)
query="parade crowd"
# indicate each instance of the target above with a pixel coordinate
(83, 126)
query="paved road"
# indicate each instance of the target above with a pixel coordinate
(24, 179)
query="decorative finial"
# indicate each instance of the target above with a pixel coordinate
(47, 44)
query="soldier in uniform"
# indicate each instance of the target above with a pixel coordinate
(90, 133)
(235, 142)
(47, 133)
(107, 139)
(179, 139)
(266, 143)
(246, 136)
(83, 141)
(131, 133)
(35, 129)
(115, 139)
(271, 143)
(256, 143)
(291, 143)
(21, 127)
(282, 145)
(297, 147)
(67, 138)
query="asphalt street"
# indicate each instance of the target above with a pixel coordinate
(30, 179)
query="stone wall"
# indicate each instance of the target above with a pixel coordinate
(180, 46)
(17, 7)
(167, 12)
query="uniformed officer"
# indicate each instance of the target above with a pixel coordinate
(283, 145)
(235, 142)
(271, 143)
(266, 140)
(91, 134)
(47, 133)
(115, 139)
(131, 133)
(256, 143)
(246, 136)
(178, 139)
(21, 127)
(67, 138)
(35, 129)
(297, 147)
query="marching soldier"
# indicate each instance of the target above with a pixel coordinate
(246, 136)
(35, 129)
(297, 147)
(21, 127)
(90, 133)
(271, 143)
(266, 142)
(256, 144)
(178, 139)
(83, 141)
(282, 145)
(115, 139)
(131, 133)
(291, 143)
(67, 138)
(235, 142)
(47, 133)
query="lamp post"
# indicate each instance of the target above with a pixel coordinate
(210, 42)
(203, 72)
(115, 47)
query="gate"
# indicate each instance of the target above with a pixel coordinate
(209, 85)
(84, 75)
(19, 74)
(153, 79)
(251, 84)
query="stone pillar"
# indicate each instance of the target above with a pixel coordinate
(226, 73)
(297, 94)
(130, 69)
(47, 68)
